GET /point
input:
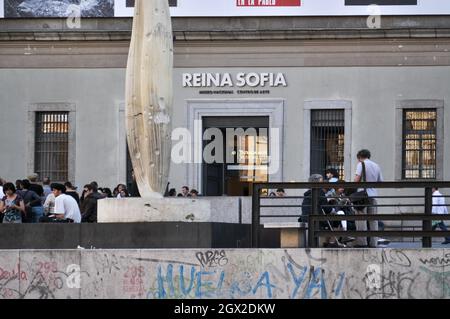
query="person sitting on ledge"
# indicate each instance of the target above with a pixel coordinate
(193, 193)
(281, 192)
(184, 192)
(66, 208)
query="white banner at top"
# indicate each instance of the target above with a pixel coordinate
(236, 8)
(226, 8)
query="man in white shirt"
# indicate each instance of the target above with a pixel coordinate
(439, 208)
(1, 188)
(372, 174)
(66, 208)
(49, 205)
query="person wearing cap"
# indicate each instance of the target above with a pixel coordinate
(66, 208)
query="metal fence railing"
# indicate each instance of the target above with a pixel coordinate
(422, 201)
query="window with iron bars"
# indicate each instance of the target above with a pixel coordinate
(52, 145)
(327, 141)
(419, 144)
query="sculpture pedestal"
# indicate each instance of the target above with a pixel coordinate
(131, 210)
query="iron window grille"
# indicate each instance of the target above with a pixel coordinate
(52, 145)
(419, 144)
(327, 141)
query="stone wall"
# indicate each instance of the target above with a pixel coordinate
(249, 274)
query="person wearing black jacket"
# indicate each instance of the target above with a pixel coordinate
(307, 199)
(33, 203)
(38, 189)
(71, 191)
(324, 206)
(89, 204)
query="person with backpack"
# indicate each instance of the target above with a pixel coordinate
(367, 171)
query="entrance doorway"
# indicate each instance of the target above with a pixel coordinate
(245, 145)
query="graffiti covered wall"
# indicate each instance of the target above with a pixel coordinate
(227, 274)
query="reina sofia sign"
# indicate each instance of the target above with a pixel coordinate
(204, 80)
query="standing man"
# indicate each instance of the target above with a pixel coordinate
(439, 208)
(66, 208)
(372, 174)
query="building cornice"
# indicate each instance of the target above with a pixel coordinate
(231, 29)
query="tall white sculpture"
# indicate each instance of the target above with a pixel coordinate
(149, 96)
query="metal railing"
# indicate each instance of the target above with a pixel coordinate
(315, 217)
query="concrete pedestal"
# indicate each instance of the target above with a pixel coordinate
(133, 210)
(292, 235)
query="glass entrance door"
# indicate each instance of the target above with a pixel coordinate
(245, 144)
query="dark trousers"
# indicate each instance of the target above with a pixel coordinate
(46, 219)
(442, 227)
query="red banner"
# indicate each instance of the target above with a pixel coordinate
(268, 3)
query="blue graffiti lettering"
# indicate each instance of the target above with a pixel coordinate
(297, 280)
(317, 282)
(162, 294)
(183, 289)
(206, 284)
(264, 281)
(338, 290)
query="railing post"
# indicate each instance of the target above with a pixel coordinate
(426, 224)
(311, 232)
(314, 211)
(255, 216)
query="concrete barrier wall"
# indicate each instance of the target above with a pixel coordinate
(231, 209)
(297, 273)
(206, 209)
